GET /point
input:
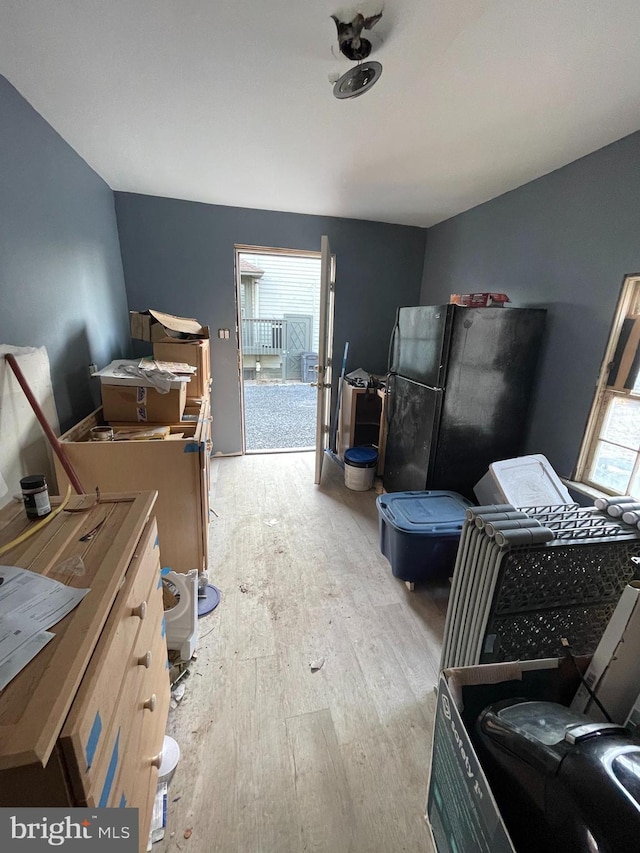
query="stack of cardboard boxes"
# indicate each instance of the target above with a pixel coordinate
(176, 339)
(160, 441)
(181, 346)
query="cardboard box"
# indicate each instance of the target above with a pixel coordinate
(154, 325)
(613, 673)
(462, 812)
(190, 416)
(140, 404)
(479, 300)
(195, 353)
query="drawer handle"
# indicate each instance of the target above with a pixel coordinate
(156, 761)
(145, 660)
(150, 704)
(140, 611)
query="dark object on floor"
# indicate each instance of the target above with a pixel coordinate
(209, 601)
(562, 782)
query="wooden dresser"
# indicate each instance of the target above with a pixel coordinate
(83, 724)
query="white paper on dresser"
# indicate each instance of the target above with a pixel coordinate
(30, 604)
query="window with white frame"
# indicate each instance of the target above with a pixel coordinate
(610, 455)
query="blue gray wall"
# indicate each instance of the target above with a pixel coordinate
(61, 281)
(178, 256)
(564, 242)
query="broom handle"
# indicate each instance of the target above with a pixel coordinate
(56, 445)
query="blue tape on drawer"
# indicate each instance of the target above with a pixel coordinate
(123, 802)
(111, 772)
(94, 737)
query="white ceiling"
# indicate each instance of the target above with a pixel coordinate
(229, 101)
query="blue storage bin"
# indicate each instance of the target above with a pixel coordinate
(420, 531)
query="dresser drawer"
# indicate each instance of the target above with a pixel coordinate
(136, 782)
(151, 752)
(87, 739)
(137, 690)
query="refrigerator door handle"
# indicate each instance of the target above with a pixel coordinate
(391, 398)
(392, 343)
(438, 388)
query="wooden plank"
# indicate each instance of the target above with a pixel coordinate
(269, 820)
(415, 650)
(323, 798)
(204, 791)
(389, 800)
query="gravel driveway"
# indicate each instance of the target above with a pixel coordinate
(279, 416)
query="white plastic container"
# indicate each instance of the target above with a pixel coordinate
(169, 761)
(360, 468)
(523, 481)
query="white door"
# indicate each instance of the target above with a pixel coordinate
(325, 345)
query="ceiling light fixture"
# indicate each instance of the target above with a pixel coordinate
(358, 80)
(354, 46)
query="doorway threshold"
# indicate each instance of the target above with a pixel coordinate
(279, 450)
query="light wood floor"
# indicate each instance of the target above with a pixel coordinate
(277, 758)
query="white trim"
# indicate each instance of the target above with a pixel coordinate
(628, 297)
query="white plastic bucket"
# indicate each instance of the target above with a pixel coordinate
(169, 761)
(360, 468)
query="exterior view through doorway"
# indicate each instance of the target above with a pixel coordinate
(278, 301)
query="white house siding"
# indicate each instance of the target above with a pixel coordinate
(290, 285)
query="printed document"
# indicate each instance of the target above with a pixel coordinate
(30, 604)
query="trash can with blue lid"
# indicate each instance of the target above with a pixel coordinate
(360, 467)
(420, 532)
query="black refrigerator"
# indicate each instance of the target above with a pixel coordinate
(459, 387)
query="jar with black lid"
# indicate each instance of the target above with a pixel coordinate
(36, 496)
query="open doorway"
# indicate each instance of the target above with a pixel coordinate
(278, 299)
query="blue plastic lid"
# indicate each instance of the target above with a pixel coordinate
(424, 512)
(361, 457)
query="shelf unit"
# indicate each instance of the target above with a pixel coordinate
(362, 420)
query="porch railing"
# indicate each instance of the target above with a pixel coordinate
(263, 336)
